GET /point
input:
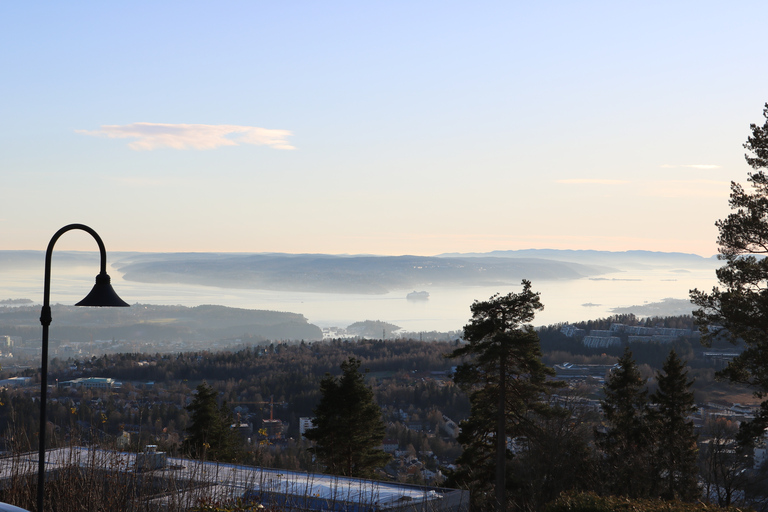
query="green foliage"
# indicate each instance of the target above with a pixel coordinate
(210, 435)
(347, 426)
(649, 450)
(589, 502)
(628, 441)
(674, 434)
(739, 310)
(505, 379)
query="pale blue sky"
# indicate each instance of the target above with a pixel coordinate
(416, 127)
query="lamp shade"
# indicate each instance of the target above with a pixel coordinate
(103, 295)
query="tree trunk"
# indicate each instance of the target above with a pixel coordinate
(501, 440)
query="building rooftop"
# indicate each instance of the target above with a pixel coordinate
(219, 481)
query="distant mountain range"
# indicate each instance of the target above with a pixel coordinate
(363, 274)
(623, 259)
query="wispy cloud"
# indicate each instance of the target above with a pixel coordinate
(151, 136)
(577, 181)
(691, 166)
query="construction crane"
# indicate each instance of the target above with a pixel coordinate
(271, 405)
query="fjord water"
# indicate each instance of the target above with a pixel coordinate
(446, 309)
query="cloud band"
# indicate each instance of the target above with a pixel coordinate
(151, 136)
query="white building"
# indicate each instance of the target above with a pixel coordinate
(92, 383)
(304, 425)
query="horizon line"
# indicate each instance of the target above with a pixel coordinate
(442, 254)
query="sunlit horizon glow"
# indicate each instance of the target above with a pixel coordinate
(383, 128)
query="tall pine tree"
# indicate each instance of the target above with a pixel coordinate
(739, 310)
(506, 380)
(676, 451)
(627, 443)
(347, 427)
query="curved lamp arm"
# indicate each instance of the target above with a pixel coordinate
(49, 253)
(102, 294)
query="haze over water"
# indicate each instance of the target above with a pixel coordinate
(447, 307)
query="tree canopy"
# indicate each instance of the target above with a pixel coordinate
(674, 433)
(505, 379)
(649, 447)
(347, 427)
(627, 441)
(738, 308)
(210, 435)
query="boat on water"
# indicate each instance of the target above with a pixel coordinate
(414, 295)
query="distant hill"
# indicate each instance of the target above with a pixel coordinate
(372, 329)
(343, 274)
(150, 322)
(619, 259)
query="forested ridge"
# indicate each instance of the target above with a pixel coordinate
(308, 359)
(399, 371)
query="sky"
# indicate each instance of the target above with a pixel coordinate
(394, 127)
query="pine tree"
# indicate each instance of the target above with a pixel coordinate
(210, 435)
(739, 311)
(627, 442)
(347, 428)
(676, 452)
(505, 379)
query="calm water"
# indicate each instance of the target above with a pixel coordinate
(446, 309)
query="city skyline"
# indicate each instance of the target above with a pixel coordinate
(376, 128)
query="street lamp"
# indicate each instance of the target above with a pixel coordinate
(102, 295)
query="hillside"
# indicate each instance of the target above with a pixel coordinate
(144, 322)
(342, 274)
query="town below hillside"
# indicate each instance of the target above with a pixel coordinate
(139, 397)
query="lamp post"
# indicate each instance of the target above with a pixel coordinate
(102, 295)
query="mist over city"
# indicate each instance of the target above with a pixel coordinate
(416, 293)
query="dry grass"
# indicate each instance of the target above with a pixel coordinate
(93, 480)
